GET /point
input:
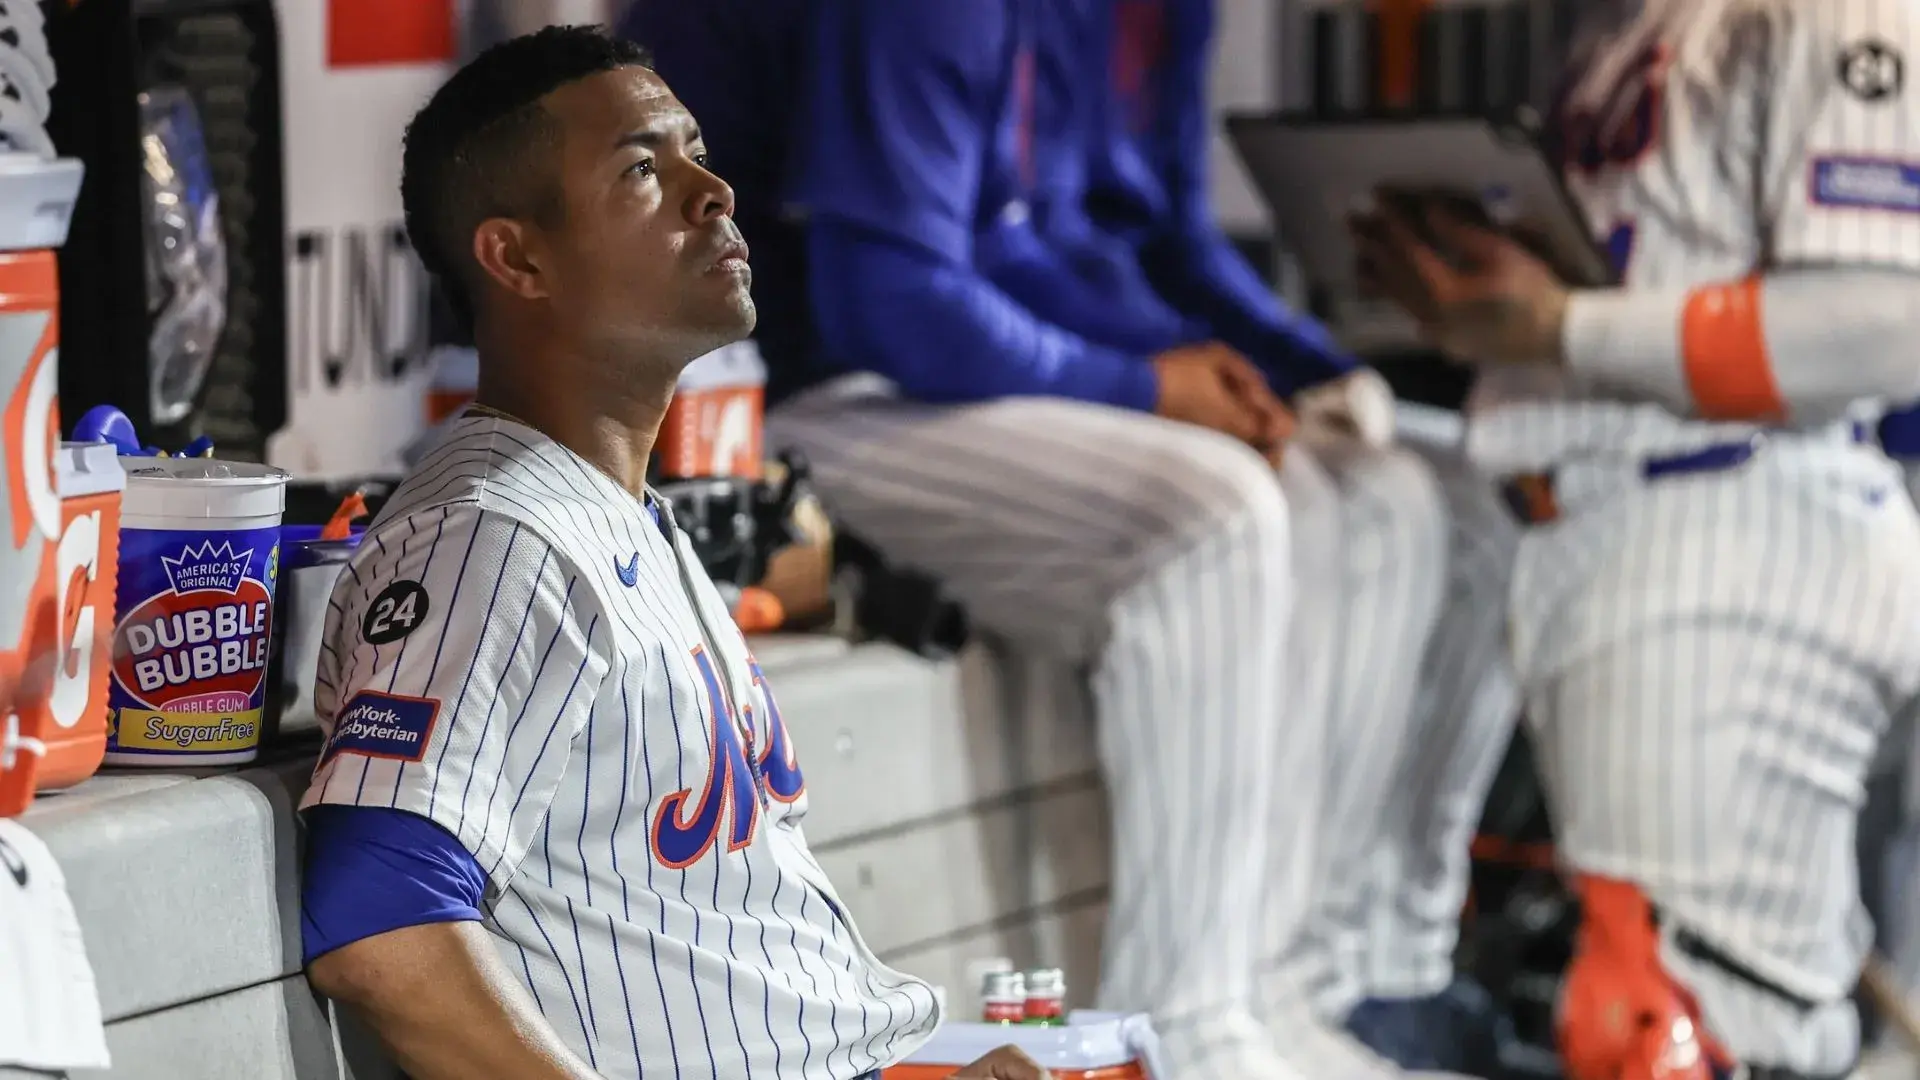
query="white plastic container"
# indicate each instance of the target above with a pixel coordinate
(1089, 1046)
(309, 567)
(199, 557)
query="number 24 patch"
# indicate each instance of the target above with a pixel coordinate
(398, 611)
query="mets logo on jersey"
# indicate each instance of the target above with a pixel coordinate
(690, 822)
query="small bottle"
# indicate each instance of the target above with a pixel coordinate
(1046, 997)
(1003, 998)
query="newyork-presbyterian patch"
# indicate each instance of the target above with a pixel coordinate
(379, 725)
(1866, 184)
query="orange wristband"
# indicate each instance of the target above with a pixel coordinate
(1723, 346)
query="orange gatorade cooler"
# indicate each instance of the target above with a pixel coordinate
(713, 427)
(1089, 1046)
(71, 723)
(29, 509)
(36, 200)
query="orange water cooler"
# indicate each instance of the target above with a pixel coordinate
(47, 736)
(68, 723)
(708, 461)
(713, 428)
(1089, 1046)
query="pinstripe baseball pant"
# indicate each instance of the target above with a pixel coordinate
(1239, 719)
(1467, 707)
(1709, 662)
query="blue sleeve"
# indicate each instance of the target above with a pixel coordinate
(906, 102)
(1900, 434)
(945, 335)
(374, 869)
(1190, 260)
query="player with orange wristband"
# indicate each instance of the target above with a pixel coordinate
(1713, 619)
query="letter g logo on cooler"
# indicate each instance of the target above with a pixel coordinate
(379, 725)
(29, 426)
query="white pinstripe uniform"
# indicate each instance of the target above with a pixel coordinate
(1901, 897)
(521, 654)
(1245, 712)
(1466, 709)
(1710, 657)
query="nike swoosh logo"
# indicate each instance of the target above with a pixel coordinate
(630, 573)
(15, 865)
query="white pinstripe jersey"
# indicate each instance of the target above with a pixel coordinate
(1708, 140)
(521, 654)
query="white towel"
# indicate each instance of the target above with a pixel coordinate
(49, 1010)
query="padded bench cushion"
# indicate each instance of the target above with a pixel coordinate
(888, 740)
(272, 1032)
(185, 886)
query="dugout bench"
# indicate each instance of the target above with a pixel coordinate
(955, 805)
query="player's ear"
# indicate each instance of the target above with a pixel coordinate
(503, 248)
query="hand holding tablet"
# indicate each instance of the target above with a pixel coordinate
(1462, 221)
(1478, 293)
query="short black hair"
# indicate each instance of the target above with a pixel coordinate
(472, 151)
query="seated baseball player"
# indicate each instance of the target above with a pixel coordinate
(987, 395)
(555, 831)
(1713, 607)
(1387, 898)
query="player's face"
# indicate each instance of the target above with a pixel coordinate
(646, 254)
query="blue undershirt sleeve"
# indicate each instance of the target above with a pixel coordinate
(1191, 261)
(372, 869)
(905, 104)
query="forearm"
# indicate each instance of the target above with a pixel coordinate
(444, 1006)
(1089, 285)
(1800, 344)
(1206, 277)
(1191, 261)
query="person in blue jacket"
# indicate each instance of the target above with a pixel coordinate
(1385, 921)
(990, 389)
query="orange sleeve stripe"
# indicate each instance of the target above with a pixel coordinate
(1723, 347)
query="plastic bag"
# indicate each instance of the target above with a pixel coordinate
(186, 252)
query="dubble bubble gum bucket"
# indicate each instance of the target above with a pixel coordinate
(199, 557)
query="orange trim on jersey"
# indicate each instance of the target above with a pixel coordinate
(1723, 347)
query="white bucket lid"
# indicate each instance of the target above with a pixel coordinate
(87, 468)
(202, 488)
(36, 200)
